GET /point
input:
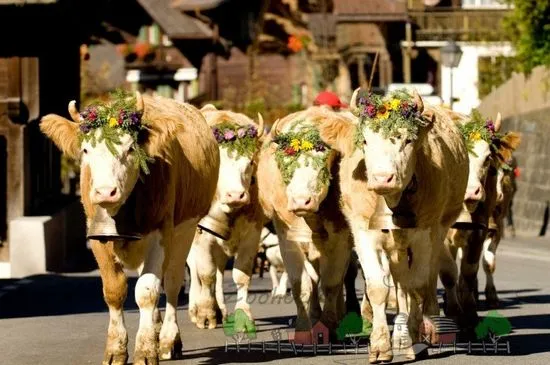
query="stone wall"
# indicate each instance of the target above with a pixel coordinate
(524, 103)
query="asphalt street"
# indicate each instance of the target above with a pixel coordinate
(62, 319)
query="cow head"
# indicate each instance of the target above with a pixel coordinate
(105, 138)
(304, 161)
(487, 151)
(507, 145)
(391, 130)
(239, 141)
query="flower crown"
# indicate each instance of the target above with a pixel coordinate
(115, 119)
(295, 143)
(478, 128)
(236, 138)
(394, 115)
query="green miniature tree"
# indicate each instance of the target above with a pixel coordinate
(238, 326)
(353, 327)
(493, 326)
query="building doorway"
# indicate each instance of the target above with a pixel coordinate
(3, 190)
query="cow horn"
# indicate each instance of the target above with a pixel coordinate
(260, 125)
(353, 101)
(139, 101)
(208, 107)
(498, 121)
(274, 132)
(418, 100)
(75, 115)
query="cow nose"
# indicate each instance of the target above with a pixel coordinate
(236, 196)
(106, 194)
(384, 178)
(302, 203)
(475, 193)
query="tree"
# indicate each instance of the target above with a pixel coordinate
(493, 326)
(238, 325)
(528, 28)
(353, 326)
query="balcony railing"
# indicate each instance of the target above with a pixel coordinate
(459, 24)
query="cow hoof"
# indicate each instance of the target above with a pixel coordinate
(146, 360)
(115, 359)
(376, 357)
(146, 352)
(171, 348)
(193, 314)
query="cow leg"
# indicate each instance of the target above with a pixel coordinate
(147, 292)
(221, 262)
(283, 285)
(410, 261)
(176, 251)
(115, 289)
(332, 271)
(352, 304)
(194, 285)
(242, 269)
(467, 284)
(489, 264)
(368, 245)
(317, 297)
(274, 279)
(300, 282)
(448, 274)
(207, 249)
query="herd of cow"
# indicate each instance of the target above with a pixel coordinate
(402, 187)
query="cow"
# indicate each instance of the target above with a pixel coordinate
(486, 151)
(299, 191)
(419, 169)
(505, 194)
(276, 264)
(236, 202)
(167, 201)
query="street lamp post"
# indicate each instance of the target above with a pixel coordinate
(450, 57)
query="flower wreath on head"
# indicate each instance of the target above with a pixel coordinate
(237, 139)
(115, 119)
(297, 142)
(395, 115)
(478, 128)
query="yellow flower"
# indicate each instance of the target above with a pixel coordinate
(475, 136)
(388, 105)
(383, 115)
(395, 103)
(113, 122)
(306, 145)
(295, 144)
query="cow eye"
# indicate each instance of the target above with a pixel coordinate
(84, 151)
(408, 141)
(365, 142)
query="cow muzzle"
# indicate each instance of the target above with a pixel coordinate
(383, 183)
(302, 205)
(236, 199)
(105, 195)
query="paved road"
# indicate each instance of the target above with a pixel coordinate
(61, 319)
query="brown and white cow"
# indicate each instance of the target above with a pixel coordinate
(168, 202)
(505, 194)
(480, 202)
(236, 202)
(432, 172)
(305, 199)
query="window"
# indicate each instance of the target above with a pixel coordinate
(484, 4)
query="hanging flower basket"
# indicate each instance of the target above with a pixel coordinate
(142, 49)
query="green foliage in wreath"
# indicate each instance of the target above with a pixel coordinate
(239, 140)
(477, 128)
(395, 115)
(302, 140)
(115, 119)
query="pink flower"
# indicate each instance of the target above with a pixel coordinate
(229, 135)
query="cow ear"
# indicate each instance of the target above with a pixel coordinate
(208, 107)
(338, 135)
(63, 133)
